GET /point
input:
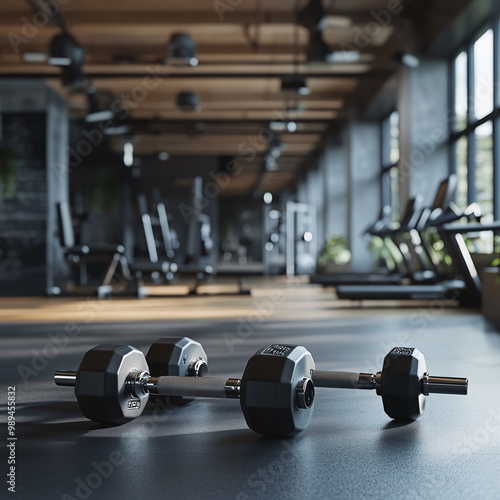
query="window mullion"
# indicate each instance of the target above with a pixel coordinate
(471, 146)
(470, 85)
(496, 168)
(496, 122)
(452, 157)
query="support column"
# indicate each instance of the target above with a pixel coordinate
(364, 188)
(34, 125)
(423, 114)
(335, 186)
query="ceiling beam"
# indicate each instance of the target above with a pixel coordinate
(206, 71)
(84, 16)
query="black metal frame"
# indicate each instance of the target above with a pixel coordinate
(472, 122)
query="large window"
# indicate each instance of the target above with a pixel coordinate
(476, 123)
(390, 159)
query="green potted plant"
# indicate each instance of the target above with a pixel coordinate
(9, 162)
(334, 256)
(385, 253)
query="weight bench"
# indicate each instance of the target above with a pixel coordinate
(113, 257)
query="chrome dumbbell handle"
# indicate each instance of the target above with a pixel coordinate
(345, 380)
(206, 387)
(353, 380)
(197, 368)
(201, 387)
(141, 383)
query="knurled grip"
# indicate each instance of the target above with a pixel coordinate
(335, 380)
(201, 387)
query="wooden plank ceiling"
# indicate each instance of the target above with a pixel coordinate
(244, 49)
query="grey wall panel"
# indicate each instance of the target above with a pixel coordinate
(34, 124)
(364, 189)
(57, 186)
(335, 184)
(423, 106)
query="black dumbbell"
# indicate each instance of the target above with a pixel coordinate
(403, 383)
(173, 356)
(176, 356)
(113, 384)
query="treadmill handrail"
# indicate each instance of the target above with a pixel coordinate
(472, 227)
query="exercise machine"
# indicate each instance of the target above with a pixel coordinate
(157, 265)
(116, 266)
(465, 287)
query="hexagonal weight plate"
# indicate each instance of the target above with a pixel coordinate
(101, 388)
(174, 356)
(269, 398)
(400, 383)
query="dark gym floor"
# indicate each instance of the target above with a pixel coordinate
(351, 449)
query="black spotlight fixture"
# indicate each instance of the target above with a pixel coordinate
(99, 106)
(116, 128)
(188, 101)
(295, 107)
(64, 50)
(404, 56)
(276, 145)
(406, 59)
(72, 75)
(318, 50)
(182, 50)
(275, 141)
(295, 85)
(312, 16)
(270, 163)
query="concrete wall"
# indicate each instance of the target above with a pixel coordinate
(423, 111)
(350, 164)
(345, 188)
(35, 125)
(364, 189)
(335, 186)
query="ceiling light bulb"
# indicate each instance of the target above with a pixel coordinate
(128, 154)
(34, 57)
(268, 198)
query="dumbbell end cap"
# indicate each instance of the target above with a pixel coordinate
(65, 378)
(198, 368)
(305, 393)
(444, 385)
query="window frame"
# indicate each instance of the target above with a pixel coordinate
(472, 122)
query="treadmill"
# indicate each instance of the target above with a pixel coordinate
(453, 237)
(467, 290)
(413, 217)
